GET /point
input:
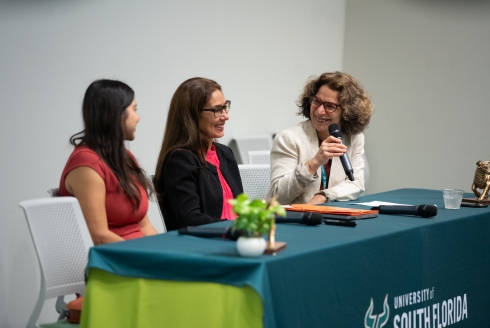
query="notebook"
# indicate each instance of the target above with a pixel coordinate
(331, 210)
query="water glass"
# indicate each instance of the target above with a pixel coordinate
(452, 198)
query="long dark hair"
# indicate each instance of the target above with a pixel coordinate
(182, 127)
(104, 110)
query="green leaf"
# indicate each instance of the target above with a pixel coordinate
(253, 215)
(242, 197)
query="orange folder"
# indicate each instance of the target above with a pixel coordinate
(329, 209)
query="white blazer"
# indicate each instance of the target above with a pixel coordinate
(292, 183)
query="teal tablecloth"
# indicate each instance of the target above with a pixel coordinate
(433, 272)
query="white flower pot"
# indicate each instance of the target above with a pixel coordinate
(250, 246)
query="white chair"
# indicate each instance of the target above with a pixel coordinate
(54, 192)
(259, 157)
(255, 179)
(246, 144)
(62, 242)
(152, 180)
(60, 302)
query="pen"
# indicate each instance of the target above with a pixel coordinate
(340, 222)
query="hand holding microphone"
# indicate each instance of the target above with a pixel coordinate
(334, 131)
(329, 148)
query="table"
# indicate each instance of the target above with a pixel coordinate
(402, 271)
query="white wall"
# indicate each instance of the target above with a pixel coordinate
(426, 66)
(261, 52)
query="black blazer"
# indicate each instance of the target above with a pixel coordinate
(190, 195)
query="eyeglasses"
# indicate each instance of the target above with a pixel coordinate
(218, 110)
(328, 106)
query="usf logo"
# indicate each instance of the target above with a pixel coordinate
(377, 320)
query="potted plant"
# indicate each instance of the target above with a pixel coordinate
(255, 218)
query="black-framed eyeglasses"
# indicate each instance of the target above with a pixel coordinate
(219, 110)
(329, 107)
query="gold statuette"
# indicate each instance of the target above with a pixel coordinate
(481, 181)
(273, 246)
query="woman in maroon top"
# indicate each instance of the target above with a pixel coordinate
(105, 177)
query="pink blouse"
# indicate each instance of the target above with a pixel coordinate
(227, 213)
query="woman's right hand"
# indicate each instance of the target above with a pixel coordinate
(329, 148)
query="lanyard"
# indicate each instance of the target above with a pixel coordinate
(324, 178)
(324, 174)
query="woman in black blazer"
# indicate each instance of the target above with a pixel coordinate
(196, 176)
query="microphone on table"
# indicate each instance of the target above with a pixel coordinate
(334, 130)
(308, 218)
(424, 210)
(208, 232)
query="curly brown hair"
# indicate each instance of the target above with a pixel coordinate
(355, 102)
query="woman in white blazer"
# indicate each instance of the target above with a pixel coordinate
(305, 164)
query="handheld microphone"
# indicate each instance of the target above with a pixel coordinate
(424, 210)
(308, 218)
(208, 232)
(334, 130)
